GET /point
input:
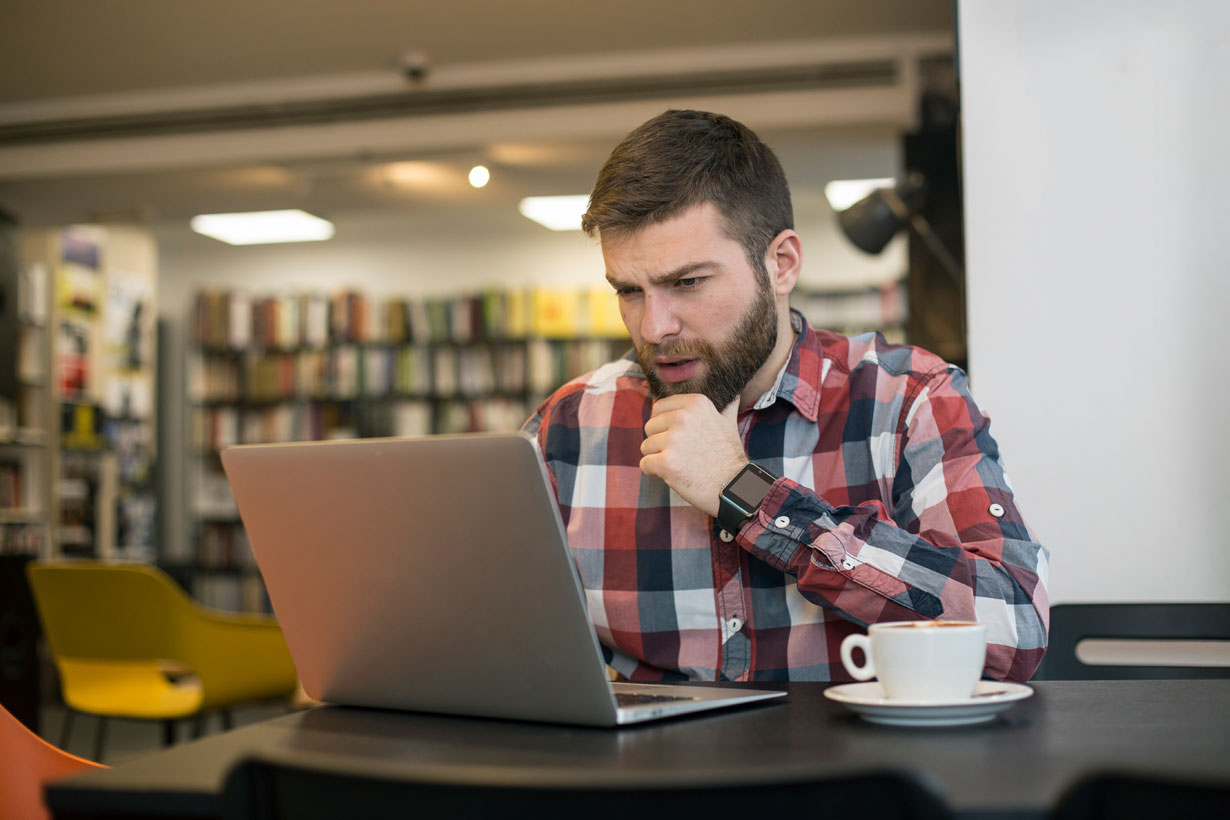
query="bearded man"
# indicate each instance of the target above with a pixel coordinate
(742, 491)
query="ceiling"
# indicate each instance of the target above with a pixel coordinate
(82, 65)
(66, 48)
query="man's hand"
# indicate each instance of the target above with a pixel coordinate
(693, 448)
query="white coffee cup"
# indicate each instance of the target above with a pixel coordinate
(920, 660)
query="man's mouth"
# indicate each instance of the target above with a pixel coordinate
(676, 368)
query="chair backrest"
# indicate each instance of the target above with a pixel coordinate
(282, 787)
(1073, 623)
(99, 611)
(106, 611)
(1122, 796)
(27, 763)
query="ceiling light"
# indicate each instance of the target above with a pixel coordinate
(479, 176)
(263, 227)
(842, 193)
(559, 213)
(416, 175)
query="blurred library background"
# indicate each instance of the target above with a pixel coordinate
(136, 345)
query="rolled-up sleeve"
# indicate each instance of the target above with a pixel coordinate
(948, 544)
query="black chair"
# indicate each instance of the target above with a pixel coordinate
(1073, 623)
(263, 788)
(1122, 796)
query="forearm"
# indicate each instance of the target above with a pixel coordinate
(856, 561)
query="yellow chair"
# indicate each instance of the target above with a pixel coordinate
(129, 643)
(27, 763)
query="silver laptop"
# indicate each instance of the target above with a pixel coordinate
(433, 574)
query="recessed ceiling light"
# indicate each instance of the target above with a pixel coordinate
(842, 193)
(479, 176)
(559, 213)
(263, 227)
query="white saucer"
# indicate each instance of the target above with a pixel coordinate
(869, 701)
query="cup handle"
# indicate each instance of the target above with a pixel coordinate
(868, 670)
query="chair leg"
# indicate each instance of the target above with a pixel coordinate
(67, 729)
(198, 726)
(228, 721)
(100, 739)
(168, 732)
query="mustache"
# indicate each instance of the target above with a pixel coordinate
(684, 349)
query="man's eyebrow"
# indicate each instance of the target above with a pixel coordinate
(682, 272)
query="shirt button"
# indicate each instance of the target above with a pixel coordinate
(725, 536)
(735, 624)
(996, 510)
(782, 521)
(848, 563)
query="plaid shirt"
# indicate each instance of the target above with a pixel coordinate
(892, 505)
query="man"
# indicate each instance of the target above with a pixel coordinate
(874, 491)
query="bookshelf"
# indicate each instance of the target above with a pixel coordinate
(27, 505)
(88, 348)
(313, 366)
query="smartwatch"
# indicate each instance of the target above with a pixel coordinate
(742, 497)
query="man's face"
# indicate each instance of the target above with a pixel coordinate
(700, 318)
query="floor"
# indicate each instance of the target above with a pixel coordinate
(130, 739)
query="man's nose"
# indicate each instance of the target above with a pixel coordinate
(658, 321)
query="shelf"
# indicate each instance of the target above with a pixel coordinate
(126, 419)
(263, 404)
(85, 448)
(23, 438)
(18, 516)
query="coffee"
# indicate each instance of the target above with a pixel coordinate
(920, 660)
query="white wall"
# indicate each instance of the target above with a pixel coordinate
(1096, 174)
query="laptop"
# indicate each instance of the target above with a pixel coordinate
(433, 574)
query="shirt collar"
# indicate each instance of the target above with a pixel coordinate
(798, 382)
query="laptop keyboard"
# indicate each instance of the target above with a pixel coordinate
(633, 699)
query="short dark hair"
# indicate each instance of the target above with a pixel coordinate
(680, 159)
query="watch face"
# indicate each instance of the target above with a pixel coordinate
(748, 489)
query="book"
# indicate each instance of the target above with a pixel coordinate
(238, 320)
(604, 317)
(557, 313)
(314, 321)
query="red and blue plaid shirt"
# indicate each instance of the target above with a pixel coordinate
(892, 505)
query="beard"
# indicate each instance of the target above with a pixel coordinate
(729, 364)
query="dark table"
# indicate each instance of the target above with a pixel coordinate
(1016, 766)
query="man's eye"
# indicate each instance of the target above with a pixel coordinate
(689, 281)
(624, 293)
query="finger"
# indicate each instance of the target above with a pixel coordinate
(657, 424)
(653, 444)
(678, 401)
(650, 465)
(663, 406)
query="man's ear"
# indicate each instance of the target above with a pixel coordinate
(784, 261)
